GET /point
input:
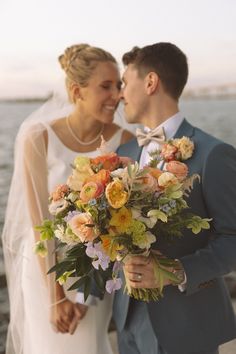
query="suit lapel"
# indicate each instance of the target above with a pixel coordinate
(185, 129)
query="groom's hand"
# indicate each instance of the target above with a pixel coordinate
(62, 315)
(140, 272)
(79, 312)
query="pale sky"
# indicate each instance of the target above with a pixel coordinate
(33, 33)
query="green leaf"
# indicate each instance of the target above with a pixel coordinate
(130, 172)
(169, 275)
(76, 251)
(61, 268)
(83, 265)
(87, 287)
(99, 280)
(46, 230)
(77, 284)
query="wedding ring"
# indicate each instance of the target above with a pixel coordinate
(139, 276)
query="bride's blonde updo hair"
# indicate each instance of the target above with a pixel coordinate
(79, 61)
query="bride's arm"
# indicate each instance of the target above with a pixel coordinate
(36, 188)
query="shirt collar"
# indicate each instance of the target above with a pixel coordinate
(171, 125)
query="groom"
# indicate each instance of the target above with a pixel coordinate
(195, 316)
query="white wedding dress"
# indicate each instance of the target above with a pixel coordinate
(91, 335)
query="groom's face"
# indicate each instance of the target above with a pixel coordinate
(134, 95)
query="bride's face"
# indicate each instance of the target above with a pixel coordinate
(100, 98)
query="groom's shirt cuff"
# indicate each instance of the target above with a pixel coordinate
(91, 300)
(182, 287)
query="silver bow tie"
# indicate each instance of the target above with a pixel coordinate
(157, 135)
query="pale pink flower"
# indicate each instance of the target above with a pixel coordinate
(79, 226)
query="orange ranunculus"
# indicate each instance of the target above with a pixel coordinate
(179, 169)
(79, 226)
(116, 195)
(103, 177)
(108, 162)
(91, 190)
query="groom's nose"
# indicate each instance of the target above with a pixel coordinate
(121, 94)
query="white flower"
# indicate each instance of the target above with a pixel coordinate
(66, 235)
(149, 221)
(58, 206)
(150, 238)
(119, 173)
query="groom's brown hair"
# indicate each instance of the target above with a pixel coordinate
(166, 60)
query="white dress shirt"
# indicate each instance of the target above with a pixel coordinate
(170, 126)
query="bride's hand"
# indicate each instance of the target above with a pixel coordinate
(62, 315)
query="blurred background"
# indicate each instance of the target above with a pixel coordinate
(34, 33)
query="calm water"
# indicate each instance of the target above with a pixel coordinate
(217, 117)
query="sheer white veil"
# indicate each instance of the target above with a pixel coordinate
(28, 205)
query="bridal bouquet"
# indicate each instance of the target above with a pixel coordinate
(111, 209)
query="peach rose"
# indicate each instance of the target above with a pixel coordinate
(167, 179)
(59, 192)
(168, 152)
(148, 182)
(91, 190)
(179, 169)
(79, 226)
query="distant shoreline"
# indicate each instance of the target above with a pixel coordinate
(24, 100)
(185, 96)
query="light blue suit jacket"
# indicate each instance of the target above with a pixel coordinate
(202, 317)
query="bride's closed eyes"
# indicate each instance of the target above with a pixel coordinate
(108, 85)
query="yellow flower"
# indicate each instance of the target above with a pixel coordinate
(185, 147)
(110, 246)
(121, 219)
(116, 195)
(82, 163)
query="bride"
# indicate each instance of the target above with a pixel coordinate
(48, 141)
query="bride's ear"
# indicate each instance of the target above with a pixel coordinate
(75, 94)
(151, 82)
